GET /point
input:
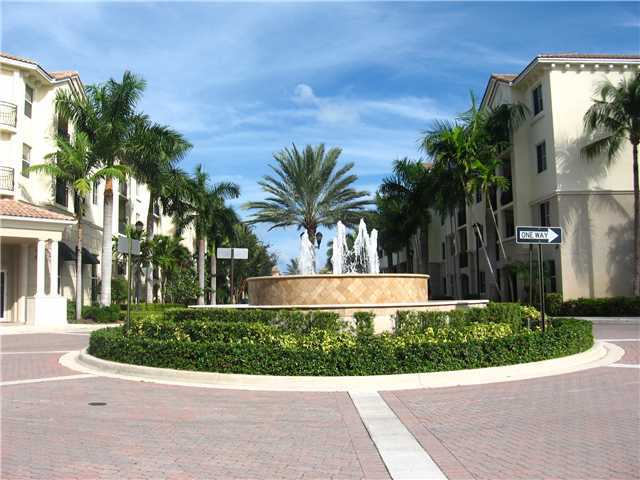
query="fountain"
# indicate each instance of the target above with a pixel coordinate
(355, 284)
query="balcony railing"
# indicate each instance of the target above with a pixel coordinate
(8, 114)
(6, 178)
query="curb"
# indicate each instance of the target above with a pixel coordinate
(601, 354)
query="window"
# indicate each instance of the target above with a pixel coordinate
(156, 209)
(483, 282)
(509, 224)
(441, 219)
(541, 156)
(94, 193)
(123, 188)
(61, 193)
(545, 215)
(462, 215)
(537, 100)
(443, 253)
(26, 159)
(28, 100)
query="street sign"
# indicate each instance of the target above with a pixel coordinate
(123, 246)
(241, 253)
(223, 253)
(539, 235)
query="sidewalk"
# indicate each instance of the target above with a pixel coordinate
(21, 328)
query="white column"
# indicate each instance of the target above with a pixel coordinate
(40, 268)
(53, 271)
(24, 276)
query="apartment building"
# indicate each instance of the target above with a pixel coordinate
(552, 184)
(37, 224)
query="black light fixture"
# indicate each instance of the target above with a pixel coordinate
(139, 226)
(319, 238)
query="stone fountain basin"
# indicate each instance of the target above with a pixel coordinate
(336, 290)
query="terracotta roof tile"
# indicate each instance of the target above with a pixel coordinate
(15, 208)
(19, 59)
(503, 77)
(604, 56)
(64, 74)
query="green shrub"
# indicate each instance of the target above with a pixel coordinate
(553, 303)
(100, 314)
(593, 307)
(240, 347)
(118, 290)
(410, 322)
(287, 320)
(364, 324)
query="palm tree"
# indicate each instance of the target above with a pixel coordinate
(75, 164)
(200, 212)
(222, 222)
(153, 155)
(308, 190)
(292, 267)
(613, 119)
(106, 114)
(168, 254)
(410, 186)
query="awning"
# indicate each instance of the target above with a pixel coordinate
(67, 254)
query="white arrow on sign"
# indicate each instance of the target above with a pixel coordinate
(551, 235)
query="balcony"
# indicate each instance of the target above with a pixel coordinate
(8, 116)
(6, 180)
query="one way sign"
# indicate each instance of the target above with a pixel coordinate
(543, 235)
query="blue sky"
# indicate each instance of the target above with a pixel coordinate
(243, 80)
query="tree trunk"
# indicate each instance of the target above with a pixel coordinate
(214, 272)
(636, 223)
(150, 235)
(107, 252)
(79, 271)
(495, 223)
(201, 271)
(457, 272)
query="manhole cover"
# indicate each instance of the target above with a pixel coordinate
(97, 404)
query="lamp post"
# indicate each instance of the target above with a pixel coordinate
(139, 226)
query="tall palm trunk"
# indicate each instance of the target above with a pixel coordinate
(107, 253)
(150, 235)
(79, 270)
(201, 271)
(495, 223)
(214, 272)
(636, 222)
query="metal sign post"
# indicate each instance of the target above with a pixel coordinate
(129, 246)
(539, 236)
(232, 254)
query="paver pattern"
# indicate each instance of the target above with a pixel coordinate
(581, 425)
(575, 426)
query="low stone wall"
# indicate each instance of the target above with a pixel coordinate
(354, 289)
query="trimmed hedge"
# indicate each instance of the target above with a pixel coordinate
(411, 322)
(287, 320)
(265, 349)
(100, 314)
(593, 307)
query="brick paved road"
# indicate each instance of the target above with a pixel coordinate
(583, 425)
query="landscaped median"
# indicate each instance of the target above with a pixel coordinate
(321, 344)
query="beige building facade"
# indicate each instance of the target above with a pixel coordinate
(552, 184)
(37, 224)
